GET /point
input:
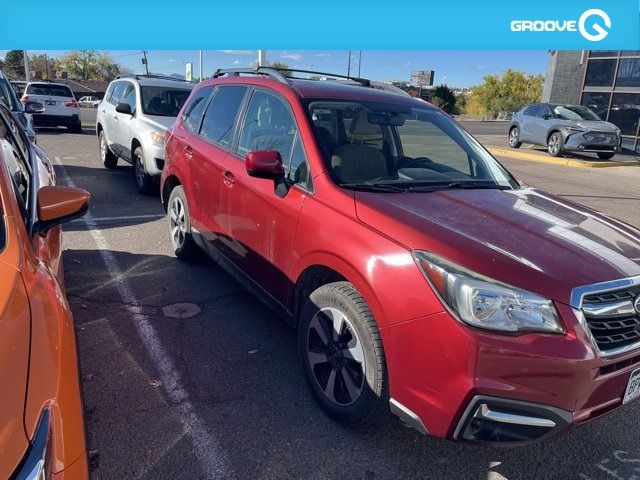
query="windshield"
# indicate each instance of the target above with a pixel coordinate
(575, 112)
(377, 145)
(163, 101)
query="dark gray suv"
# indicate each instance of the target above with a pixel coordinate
(564, 128)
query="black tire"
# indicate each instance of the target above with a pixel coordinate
(370, 382)
(605, 155)
(183, 247)
(143, 181)
(514, 137)
(555, 144)
(109, 160)
(75, 127)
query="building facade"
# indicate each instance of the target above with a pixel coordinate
(607, 81)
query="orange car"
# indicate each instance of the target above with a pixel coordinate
(41, 421)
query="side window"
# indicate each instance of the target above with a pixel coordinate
(531, 111)
(15, 156)
(193, 111)
(129, 96)
(109, 92)
(118, 92)
(218, 121)
(543, 110)
(298, 170)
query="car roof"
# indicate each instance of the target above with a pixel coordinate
(159, 82)
(56, 84)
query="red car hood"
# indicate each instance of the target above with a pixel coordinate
(525, 238)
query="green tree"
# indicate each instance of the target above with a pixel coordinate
(90, 65)
(444, 98)
(47, 66)
(14, 63)
(507, 93)
(283, 66)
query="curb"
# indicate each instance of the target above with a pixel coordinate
(567, 162)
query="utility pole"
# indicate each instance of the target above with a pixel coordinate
(145, 62)
(359, 62)
(25, 56)
(200, 65)
(349, 65)
(262, 58)
(46, 65)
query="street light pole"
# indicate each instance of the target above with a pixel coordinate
(359, 62)
(25, 57)
(145, 62)
(200, 65)
(349, 65)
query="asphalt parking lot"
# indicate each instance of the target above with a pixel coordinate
(219, 393)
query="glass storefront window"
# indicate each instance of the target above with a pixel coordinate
(630, 53)
(625, 112)
(600, 73)
(628, 144)
(603, 53)
(598, 102)
(628, 73)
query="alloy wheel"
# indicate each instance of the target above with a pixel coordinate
(554, 144)
(139, 171)
(336, 356)
(513, 137)
(177, 222)
(103, 148)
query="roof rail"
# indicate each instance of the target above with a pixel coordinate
(362, 81)
(153, 75)
(274, 73)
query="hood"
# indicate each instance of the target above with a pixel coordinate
(159, 122)
(593, 125)
(524, 238)
(14, 361)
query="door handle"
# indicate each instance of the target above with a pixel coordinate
(115, 117)
(188, 151)
(228, 178)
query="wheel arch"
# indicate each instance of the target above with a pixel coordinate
(553, 130)
(170, 182)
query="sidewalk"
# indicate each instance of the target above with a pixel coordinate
(497, 144)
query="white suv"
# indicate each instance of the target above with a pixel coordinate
(60, 106)
(132, 120)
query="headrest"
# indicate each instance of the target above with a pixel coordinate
(360, 125)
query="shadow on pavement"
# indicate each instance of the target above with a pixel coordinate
(239, 365)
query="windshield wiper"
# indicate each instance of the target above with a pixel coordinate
(374, 187)
(475, 185)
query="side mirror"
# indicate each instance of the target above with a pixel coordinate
(265, 164)
(34, 107)
(124, 108)
(57, 205)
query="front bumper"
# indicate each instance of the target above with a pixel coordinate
(593, 142)
(153, 159)
(442, 372)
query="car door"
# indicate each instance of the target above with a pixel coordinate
(527, 123)
(108, 115)
(123, 121)
(207, 154)
(260, 226)
(543, 120)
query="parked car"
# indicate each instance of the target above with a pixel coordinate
(22, 113)
(90, 101)
(419, 273)
(132, 121)
(41, 409)
(61, 107)
(19, 86)
(564, 128)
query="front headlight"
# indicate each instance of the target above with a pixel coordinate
(576, 129)
(486, 303)
(158, 137)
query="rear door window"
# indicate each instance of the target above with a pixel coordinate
(49, 90)
(219, 119)
(195, 108)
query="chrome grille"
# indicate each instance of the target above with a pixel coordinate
(612, 319)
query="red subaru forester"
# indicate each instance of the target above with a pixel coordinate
(420, 274)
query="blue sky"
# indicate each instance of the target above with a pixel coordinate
(461, 68)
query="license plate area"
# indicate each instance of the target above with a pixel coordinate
(633, 387)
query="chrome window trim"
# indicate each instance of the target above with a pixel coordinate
(577, 296)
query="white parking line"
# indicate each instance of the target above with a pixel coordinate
(119, 219)
(206, 447)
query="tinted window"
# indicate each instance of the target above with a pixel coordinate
(193, 111)
(628, 73)
(163, 101)
(218, 121)
(603, 53)
(531, 110)
(270, 125)
(598, 102)
(7, 94)
(600, 73)
(118, 92)
(129, 96)
(15, 156)
(625, 112)
(543, 110)
(52, 90)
